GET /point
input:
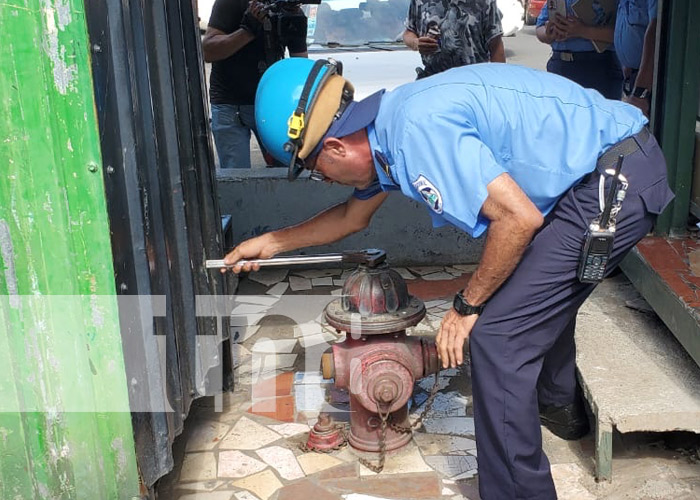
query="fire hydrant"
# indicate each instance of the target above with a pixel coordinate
(378, 363)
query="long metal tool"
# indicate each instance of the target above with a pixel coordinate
(371, 257)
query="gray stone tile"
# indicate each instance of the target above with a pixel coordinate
(423, 270)
(268, 276)
(452, 465)
(438, 276)
(278, 289)
(328, 281)
(318, 273)
(299, 284)
(404, 273)
(455, 426)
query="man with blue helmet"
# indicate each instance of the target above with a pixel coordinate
(462, 142)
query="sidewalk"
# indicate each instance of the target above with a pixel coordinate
(246, 444)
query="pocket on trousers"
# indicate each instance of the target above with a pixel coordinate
(656, 197)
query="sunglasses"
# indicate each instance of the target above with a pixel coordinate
(315, 175)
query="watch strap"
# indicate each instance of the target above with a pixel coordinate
(463, 307)
(641, 93)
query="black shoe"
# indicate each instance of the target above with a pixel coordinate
(568, 422)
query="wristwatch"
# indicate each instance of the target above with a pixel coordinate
(463, 307)
(641, 93)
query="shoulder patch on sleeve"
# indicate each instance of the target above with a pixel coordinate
(429, 193)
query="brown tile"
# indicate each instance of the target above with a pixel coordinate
(344, 471)
(440, 289)
(398, 486)
(305, 489)
(281, 409)
(281, 385)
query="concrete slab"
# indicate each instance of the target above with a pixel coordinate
(634, 373)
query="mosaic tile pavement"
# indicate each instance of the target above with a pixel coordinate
(245, 445)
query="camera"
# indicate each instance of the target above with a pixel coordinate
(286, 22)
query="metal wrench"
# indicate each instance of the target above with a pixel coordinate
(370, 257)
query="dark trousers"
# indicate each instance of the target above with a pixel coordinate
(522, 346)
(601, 72)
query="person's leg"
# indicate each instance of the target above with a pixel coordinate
(523, 321)
(557, 381)
(231, 136)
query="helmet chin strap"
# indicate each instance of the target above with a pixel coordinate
(297, 121)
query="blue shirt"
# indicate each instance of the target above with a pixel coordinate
(633, 17)
(445, 138)
(575, 44)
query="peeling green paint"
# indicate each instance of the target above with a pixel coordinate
(65, 426)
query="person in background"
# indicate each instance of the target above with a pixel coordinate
(235, 43)
(454, 33)
(574, 54)
(635, 40)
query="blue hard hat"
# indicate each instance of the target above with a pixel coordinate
(296, 101)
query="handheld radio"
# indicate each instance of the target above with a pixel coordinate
(600, 235)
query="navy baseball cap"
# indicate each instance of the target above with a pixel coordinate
(357, 115)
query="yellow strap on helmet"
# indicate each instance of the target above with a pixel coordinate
(296, 124)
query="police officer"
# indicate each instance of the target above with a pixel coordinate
(462, 143)
(635, 40)
(575, 48)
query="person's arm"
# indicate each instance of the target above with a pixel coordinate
(549, 32)
(497, 51)
(492, 31)
(514, 220)
(328, 226)
(423, 44)
(410, 39)
(645, 76)
(218, 44)
(297, 47)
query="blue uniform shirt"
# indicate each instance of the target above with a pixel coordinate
(572, 44)
(443, 139)
(633, 17)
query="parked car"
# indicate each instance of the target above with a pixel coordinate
(532, 10)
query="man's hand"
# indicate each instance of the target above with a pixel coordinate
(426, 45)
(454, 331)
(571, 27)
(555, 29)
(253, 18)
(254, 248)
(642, 104)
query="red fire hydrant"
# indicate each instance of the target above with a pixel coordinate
(377, 362)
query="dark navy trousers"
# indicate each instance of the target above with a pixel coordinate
(601, 72)
(522, 346)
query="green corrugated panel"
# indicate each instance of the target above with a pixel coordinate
(65, 427)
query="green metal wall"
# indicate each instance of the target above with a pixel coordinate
(65, 426)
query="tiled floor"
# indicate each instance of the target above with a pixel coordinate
(246, 444)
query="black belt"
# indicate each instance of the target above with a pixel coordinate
(592, 55)
(625, 147)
